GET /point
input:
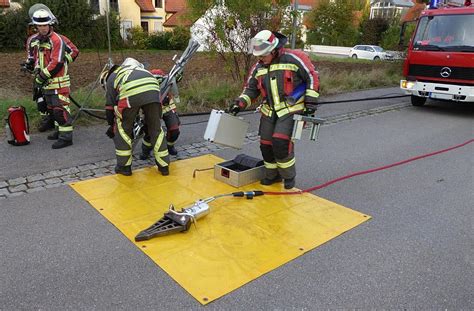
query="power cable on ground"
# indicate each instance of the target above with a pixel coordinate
(364, 172)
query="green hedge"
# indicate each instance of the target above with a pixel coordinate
(170, 40)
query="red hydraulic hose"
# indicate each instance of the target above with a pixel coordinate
(369, 171)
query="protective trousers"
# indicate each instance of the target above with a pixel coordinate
(276, 146)
(125, 117)
(172, 124)
(59, 105)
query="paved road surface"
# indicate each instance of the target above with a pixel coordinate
(417, 252)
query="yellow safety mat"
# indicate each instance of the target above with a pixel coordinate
(236, 243)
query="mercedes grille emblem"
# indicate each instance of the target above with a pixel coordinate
(445, 72)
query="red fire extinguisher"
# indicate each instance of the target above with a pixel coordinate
(17, 126)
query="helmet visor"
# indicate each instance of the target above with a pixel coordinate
(259, 47)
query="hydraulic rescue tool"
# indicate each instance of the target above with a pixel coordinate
(179, 221)
(300, 121)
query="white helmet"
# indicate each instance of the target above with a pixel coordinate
(42, 17)
(132, 62)
(263, 43)
(104, 75)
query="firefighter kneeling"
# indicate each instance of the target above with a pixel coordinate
(276, 76)
(129, 88)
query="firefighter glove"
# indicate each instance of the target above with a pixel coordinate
(110, 132)
(110, 115)
(27, 66)
(166, 101)
(309, 110)
(40, 80)
(236, 107)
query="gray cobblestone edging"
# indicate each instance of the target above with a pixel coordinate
(38, 182)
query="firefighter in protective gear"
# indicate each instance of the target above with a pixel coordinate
(170, 117)
(52, 83)
(70, 55)
(129, 88)
(276, 76)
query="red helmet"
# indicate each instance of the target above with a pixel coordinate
(158, 72)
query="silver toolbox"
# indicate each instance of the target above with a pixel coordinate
(240, 171)
(225, 129)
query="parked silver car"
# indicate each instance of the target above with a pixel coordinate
(373, 52)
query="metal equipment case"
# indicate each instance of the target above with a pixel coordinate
(240, 171)
(226, 129)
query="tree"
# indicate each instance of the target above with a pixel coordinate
(333, 24)
(227, 28)
(372, 30)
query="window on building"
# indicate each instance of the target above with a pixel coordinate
(144, 26)
(114, 5)
(95, 6)
(158, 26)
(158, 4)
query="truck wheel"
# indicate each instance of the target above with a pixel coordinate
(418, 101)
(354, 56)
(376, 58)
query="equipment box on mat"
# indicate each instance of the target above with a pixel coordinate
(240, 171)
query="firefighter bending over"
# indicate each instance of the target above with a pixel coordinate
(277, 76)
(129, 88)
(170, 117)
(49, 54)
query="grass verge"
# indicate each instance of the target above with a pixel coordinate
(337, 75)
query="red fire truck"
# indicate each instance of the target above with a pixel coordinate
(440, 57)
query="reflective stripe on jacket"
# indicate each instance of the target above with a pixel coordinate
(49, 55)
(278, 80)
(135, 85)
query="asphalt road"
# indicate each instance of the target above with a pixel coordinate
(417, 252)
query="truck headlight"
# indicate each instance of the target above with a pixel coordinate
(407, 84)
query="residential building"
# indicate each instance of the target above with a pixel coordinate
(148, 14)
(175, 14)
(4, 4)
(389, 8)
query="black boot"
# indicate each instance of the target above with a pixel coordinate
(165, 171)
(60, 143)
(123, 170)
(46, 123)
(268, 181)
(53, 136)
(172, 150)
(145, 152)
(144, 156)
(289, 183)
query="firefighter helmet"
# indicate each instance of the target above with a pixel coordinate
(158, 74)
(42, 17)
(263, 43)
(132, 62)
(104, 75)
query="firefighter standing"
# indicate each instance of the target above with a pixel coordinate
(129, 88)
(52, 83)
(276, 76)
(71, 53)
(170, 117)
